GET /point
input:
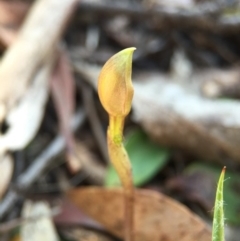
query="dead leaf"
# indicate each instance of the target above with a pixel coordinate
(42, 228)
(36, 41)
(157, 217)
(6, 170)
(63, 92)
(70, 215)
(24, 119)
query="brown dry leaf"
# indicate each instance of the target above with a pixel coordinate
(70, 215)
(63, 92)
(157, 217)
(6, 170)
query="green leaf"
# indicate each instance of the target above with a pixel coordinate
(146, 157)
(218, 217)
(231, 189)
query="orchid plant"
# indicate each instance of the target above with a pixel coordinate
(115, 91)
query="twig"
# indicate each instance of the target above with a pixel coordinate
(39, 165)
(187, 121)
(87, 94)
(91, 167)
(209, 17)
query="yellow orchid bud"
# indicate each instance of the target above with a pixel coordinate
(114, 84)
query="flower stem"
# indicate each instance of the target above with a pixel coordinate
(120, 161)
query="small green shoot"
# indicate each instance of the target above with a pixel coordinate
(211, 172)
(218, 218)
